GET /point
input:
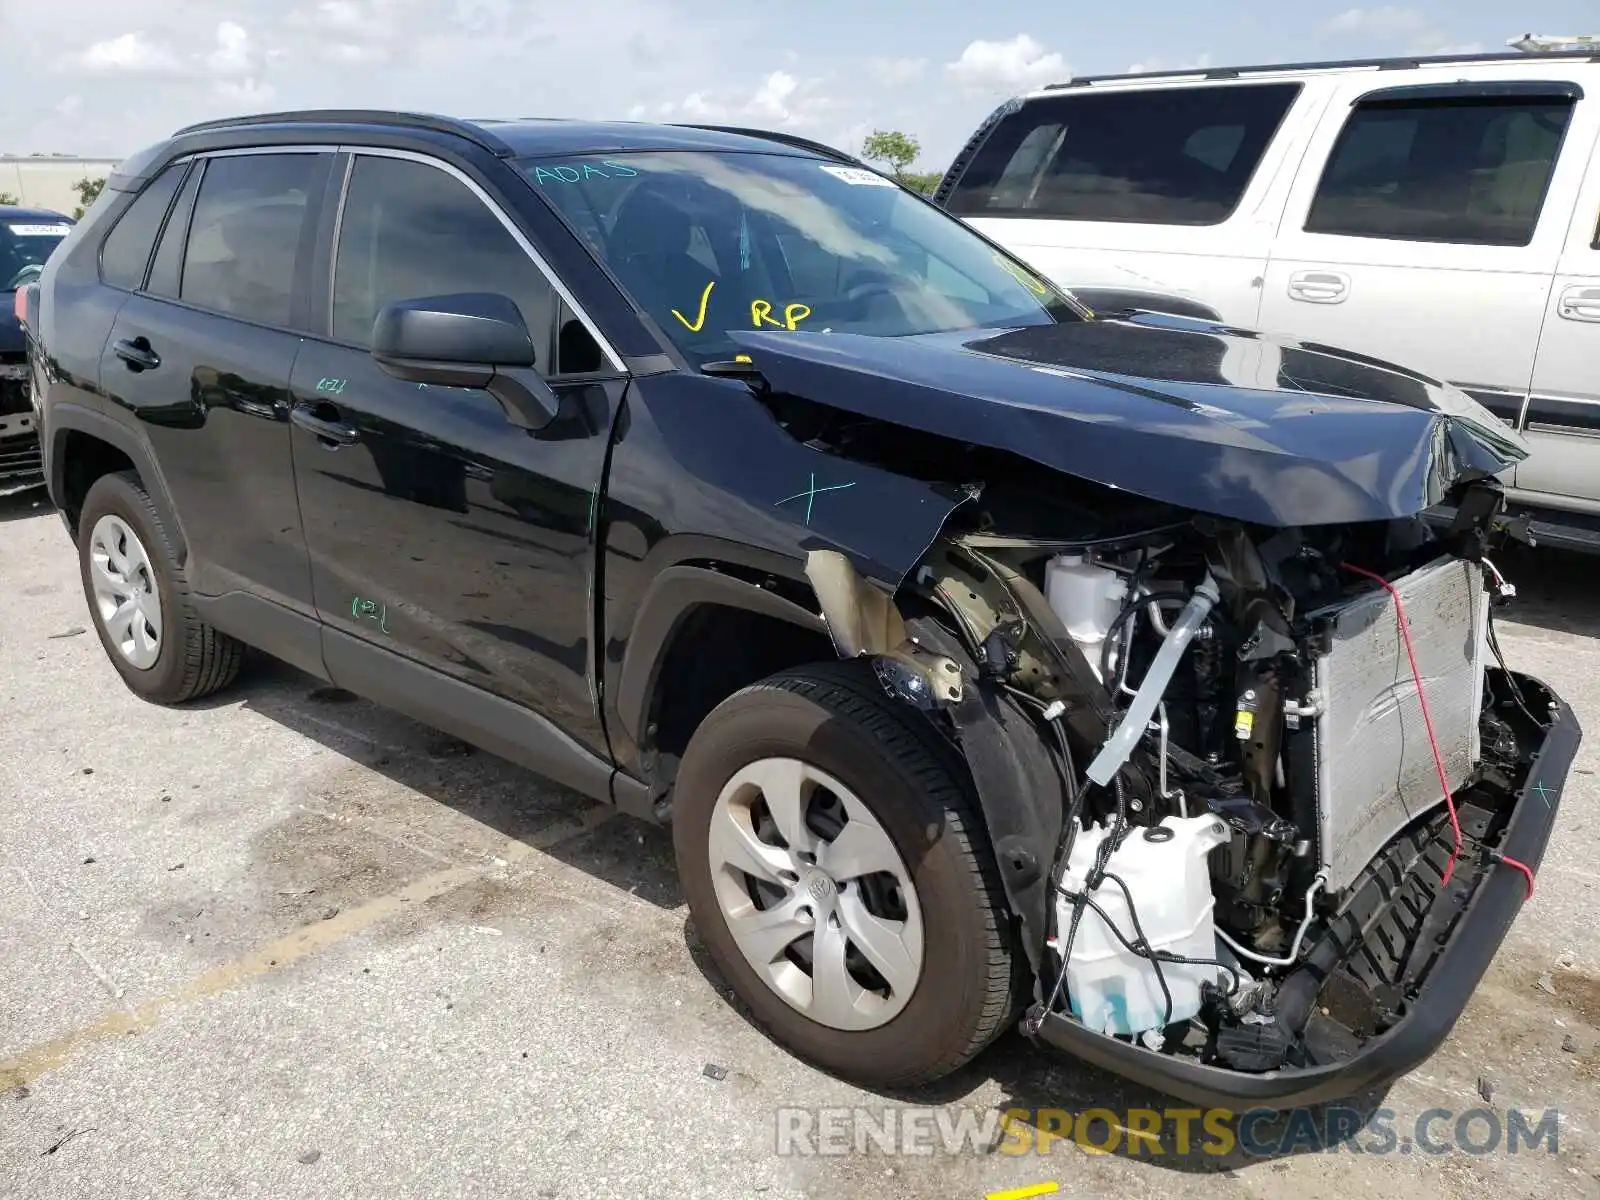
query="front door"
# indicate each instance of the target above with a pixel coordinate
(438, 530)
(1424, 229)
(1563, 420)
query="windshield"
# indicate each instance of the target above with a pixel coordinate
(711, 243)
(25, 244)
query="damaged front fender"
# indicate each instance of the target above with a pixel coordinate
(996, 671)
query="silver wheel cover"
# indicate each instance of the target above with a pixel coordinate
(127, 598)
(788, 892)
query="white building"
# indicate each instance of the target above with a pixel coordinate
(45, 180)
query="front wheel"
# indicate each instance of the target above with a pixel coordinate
(836, 868)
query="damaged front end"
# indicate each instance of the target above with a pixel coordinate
(1209, 754)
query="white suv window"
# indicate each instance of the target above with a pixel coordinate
(1472, 170)
(1159, 156)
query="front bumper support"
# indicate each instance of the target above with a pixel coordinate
(1432, 1013)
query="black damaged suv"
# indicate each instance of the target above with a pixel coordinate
(27, 238)
(994, 660)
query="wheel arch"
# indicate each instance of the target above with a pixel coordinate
(84, 445)
(670, 679)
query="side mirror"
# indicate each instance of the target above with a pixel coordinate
(472, 340)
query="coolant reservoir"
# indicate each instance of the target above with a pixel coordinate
(1112, 989)
(1086, 597)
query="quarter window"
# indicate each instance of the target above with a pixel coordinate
(1162, 156)
(246, 233)
(411, 230)
(126, 252)
(1468, 170)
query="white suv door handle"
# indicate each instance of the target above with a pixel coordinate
(1580, 304)
(1319, 287)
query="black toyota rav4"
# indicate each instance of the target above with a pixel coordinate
(995, 661)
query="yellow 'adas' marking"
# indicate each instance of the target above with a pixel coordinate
(700, 318)
(1031, 282)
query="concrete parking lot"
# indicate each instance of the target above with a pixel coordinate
(283, 943)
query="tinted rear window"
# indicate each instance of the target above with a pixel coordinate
(1472, 171)
(245, 234)
(126, 252)
(1166, 156)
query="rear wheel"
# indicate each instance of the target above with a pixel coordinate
(837, 871)
(139, 598)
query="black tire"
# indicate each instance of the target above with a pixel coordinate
(194, 659)
(837, 717)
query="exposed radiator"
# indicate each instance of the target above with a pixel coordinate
(1375, 771)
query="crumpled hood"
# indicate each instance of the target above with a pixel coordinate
(1195, 414)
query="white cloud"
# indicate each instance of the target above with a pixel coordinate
(772, 97)
(1445, 47)
(897, 71)
(128, 54)
(1016, 65)
(232, 55)
(1387, 21)
(1161, 64)
(780, 100)
(142, 68)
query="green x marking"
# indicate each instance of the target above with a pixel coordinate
(811, 493)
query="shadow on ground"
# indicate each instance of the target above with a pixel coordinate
(21, 505)
(1557, 590)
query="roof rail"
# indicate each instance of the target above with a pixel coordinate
(787, 139)
(361, 116)
(1403, 63)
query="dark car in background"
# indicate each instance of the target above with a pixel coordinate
(27, 237)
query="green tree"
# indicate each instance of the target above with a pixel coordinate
(924, 182)
(890, 146)
(8, 198)
(88, 192)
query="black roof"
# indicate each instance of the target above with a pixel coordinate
(43, 216)
(534, 137)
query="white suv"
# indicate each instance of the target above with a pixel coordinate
(1442, 213)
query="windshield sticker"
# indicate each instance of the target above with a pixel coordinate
(793, 314)
(859, 176)
(580, 172)
(700, 318)
(40, 230)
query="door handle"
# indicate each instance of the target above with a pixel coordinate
(323, 421)
(1319, 287)
(136, 352)
(1580, 304)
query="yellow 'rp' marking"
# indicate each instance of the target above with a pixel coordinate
(793, 314)
(700, 319)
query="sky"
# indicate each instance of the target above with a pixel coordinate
(104, 77)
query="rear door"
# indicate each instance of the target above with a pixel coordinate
(1424, 229)
(202, 352)
(1167, 189)
(440, 532)
(1563, 417)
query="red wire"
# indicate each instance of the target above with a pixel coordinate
(1433, 739)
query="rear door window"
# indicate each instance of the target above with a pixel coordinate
(127, 247)
(1472, 170)
(1162, 156)
(246, 233)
